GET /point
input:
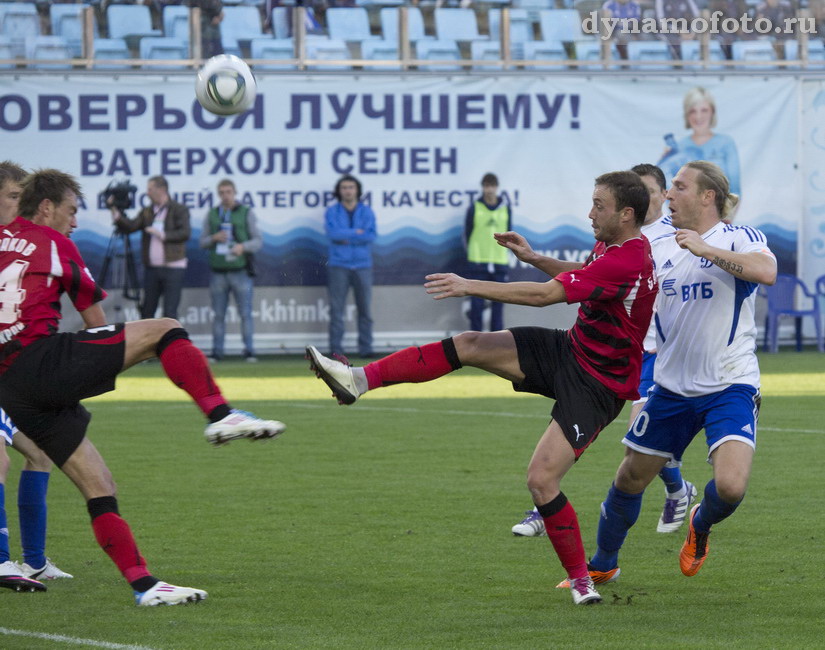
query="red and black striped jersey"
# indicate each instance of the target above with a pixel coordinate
(616, 289)
(37, 265)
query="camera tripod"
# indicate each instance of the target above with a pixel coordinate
(120, 258)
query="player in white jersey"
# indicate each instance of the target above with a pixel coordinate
(706, 373)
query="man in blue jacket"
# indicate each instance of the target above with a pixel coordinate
(350, 227)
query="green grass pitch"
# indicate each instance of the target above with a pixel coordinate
(387, 525)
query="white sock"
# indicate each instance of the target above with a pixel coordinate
(680, 494)
(360, 378)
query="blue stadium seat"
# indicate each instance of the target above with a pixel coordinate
(19, 20)
(67, 21)
(380, 50)
(649, 51)
(485, 51)
(561, 25)
(457, 25)
(45, 48)
(591, 51)
(130, 22)
(275, 49)
(176, 21)
(691, 52)
(534, 7)
(415, 24)
(544, 51)
(521, 29)
(6, 52)
(111, 48)
(438, 50)
(782, 301)
(279, 20)
(349, 24)
(327, 49)
(816, 52)
(163, 48)
(240, 24)
(754, 51)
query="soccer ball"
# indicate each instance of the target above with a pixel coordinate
(225, 85)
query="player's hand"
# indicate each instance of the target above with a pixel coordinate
(446, 285)
(691, 240)
(516, 243)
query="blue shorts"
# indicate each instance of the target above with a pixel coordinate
(646, 380)
(668, 422)
(7, 428)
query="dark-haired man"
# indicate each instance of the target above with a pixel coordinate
(38, 264)
(590, 370)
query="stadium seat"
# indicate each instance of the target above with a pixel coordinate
(457, 25)
(176, 21)
(19, 20)
(561, 25)
(349, 24)
(130, 22)
(534, 7)
(67, 21)
(544, 51)
(649, 51)
(111, 48)
(327, 49)
(591, 51)
(691, 52)
(240, 24)
(275, 49)
(163, 48)
(40, 48)
(279, 21)
(782, 298)
(521, 30)
(438, 50)
(415, 24)
(6, 52)
(485, 51)
(380, 50)
(754, 51)
(816, 52)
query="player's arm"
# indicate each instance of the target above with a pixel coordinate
(93, 316)
(751, 267)
(524, 252)
(534, 294)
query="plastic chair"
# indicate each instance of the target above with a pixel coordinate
(349, 24)
(438, 50)
(816, 52)
(534, 7)
(485, 51)
(111, 48)
(415, 24)
(176, 21)
(521, 28)
(67, 21)
(754, 51)
(649, 51)
(544, 51)
(781, 302)
(48, 47)
(380, 50)
(6, 52)
(591, 51)
(691, 52)
(130, 22)
(19, 20)
(561, 25)
(274, 49)
(240, 24)
(327, 49)
(163, 48)
(457, 25)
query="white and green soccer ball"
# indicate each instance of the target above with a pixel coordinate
(225, 85)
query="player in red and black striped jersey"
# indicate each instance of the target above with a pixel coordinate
(44, 373)
(589, 370)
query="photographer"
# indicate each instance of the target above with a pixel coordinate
(165, 230)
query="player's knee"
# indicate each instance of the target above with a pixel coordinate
(166, 324)
(466, 344)
(731, 489)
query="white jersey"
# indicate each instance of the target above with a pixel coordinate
(705, 326)
(654, 233)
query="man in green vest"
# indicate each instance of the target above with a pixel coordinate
(487, 260)
(230, 234)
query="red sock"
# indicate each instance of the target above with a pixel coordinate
(413, 365)
(187, 367)
(564, 533)
(115, 537)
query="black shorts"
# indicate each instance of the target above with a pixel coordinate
(583, 405)
(42, 389)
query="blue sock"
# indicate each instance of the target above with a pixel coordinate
(712, 509)
(31, 506)
(672, 476)
(620, 511)
(4, 528)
